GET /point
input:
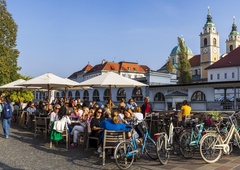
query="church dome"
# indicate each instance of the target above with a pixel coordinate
(176, 50)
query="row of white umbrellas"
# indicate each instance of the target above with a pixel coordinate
(49, 81)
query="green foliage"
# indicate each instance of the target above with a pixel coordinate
(184, 66)
(21, 96)
(8, 52)
(169, 66)
(215, 115)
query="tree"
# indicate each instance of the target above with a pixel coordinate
(183, 64)
(169, 65)
(8, 52)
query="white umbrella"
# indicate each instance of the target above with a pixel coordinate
(48, 81)
(14, 86)
(111, 79)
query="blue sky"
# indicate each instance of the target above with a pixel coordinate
(62, 36)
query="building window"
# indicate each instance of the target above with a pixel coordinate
(230, 48)
(225, 75)
(121, 94)
(137, 94)
(159, 97)
(233, 76)
(211, 77)
(106, 95)
(96, 95)
(214, 41)
(77, 95)
(57, 95)
(196, 72)
(218, 76)
(86, 95)
(69, 94)
(198, 96)
(63, 94)
(205, 41)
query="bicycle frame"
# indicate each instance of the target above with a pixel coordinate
(195, 139)
(224, 144)
(133, 142)
(168, 139)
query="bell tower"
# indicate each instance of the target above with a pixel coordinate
(209, 46)
(233, 40)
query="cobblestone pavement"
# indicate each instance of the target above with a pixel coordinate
(22, 151)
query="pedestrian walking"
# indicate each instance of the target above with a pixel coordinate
(7, 116)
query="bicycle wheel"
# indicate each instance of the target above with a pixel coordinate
(207, 148)
(186, 150)
(150, 148)
(123, 158)
(162, 153)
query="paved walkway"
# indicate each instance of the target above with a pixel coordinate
(22, 151)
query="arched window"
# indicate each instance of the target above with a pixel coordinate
(159, 97)
(214, 41)
(231, 48)
(36, 95)
(198, 96)
(69, 94)
(137, 94)
(86, 95)
(96, 95)
(106, 94)
(57, 95)
(205, 41)
(63, 94)
(44, 95)
(121, 93)
(77, 95)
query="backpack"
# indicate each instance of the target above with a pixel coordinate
(7, 111)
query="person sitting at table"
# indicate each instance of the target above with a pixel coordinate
(61, 118)
(96, 130)
(131, 120)
(80, 128)
(75, 114)
(131, 104)
(30, 111)
(80, 110)
(54, 114)
(109, 104)
(112, 124)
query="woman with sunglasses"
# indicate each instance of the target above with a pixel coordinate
(96, 130)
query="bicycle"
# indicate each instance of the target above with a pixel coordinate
(189, 140)
(126, 151)
(167, 142)
(212, 144)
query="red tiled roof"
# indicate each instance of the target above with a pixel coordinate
(85, 69)
(129, 66)
(111, 66)
(195, 61)
(230, 60)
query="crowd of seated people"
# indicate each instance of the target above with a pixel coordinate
(96, 115)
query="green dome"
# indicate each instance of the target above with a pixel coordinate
(176, 50)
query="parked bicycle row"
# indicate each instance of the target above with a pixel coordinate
(190, 136)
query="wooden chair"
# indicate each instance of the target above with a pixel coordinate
(65, 135)
(88, 138)
(111, 139)
(40, 125)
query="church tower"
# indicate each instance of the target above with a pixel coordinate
(233, 40)
(209, 41)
